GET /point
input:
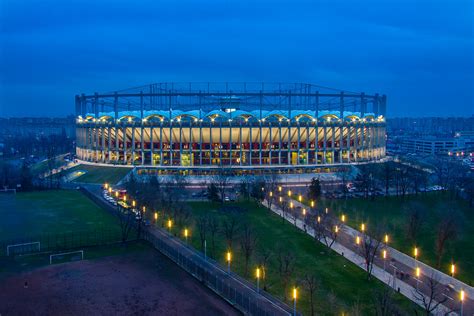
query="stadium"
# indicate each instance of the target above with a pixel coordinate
(246, 126)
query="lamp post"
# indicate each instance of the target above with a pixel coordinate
(186, 234)
(415, 254)
(357, 240)
(289, 193)
(461, 297)
(280, 188)
(384, 256)
(327, 211)
(294, 300)
(312, 204)
(453, 268)
(300, 198)
(343, 218)
(362, 227)
(417, 273)
(156, 217)
(169, 224)
(258, 279)
(228, 258)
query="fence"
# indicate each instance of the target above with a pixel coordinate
(235, 290)
(67, 240)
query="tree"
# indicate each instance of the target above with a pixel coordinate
(432, 295)
(221, 181)
(386, 172)
(202, 224)
(314, 189)
(230, 229)
(286, 265)
(447, 231)
(256, 190)
(244, 187)
(364, 180)
(263, 258)
(213, 225)
(370, 243)
(248, 242)
(213, 193)
(343, 175)
(126, 219)
(383, 302)
(415, 219)
(311, 284)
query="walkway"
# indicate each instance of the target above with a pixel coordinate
(345, 246)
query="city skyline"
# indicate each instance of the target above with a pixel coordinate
(52, 51)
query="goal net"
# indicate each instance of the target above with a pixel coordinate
(66, 256)
(23, 248)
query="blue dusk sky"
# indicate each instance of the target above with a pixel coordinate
(418, 52)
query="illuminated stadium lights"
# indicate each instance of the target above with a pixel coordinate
(235, 125)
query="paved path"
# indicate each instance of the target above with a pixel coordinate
(345, 246)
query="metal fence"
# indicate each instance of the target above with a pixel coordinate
(51, 242)
(238, 292)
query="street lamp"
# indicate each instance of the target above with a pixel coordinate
(336, 229)
(312, 203)
(357, 240)
(289, 193)
(144, 209)
(125, 198)
(228, 258)
(294, 300)
(291, 204)
(156, 217)
(110, 190)
(461, 297)
(386, 239)
(279, 188)
(415, 253)
(362, 227)
(384, 256)
(343, 218)
(258, 279)
(134, 203)
(270, 193)
(327, 210)
(170, 223)
(186, 234)
(300, 198)
(106, 186)
(304, 212)
(417, 273)
(319, 219)
(453, 269)
(116, 194)
(281, 199)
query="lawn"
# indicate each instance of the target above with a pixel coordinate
(99, 174)
(43, 212)
(390, 212)
(343, 286)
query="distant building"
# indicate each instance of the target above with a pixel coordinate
(37, 126)
(461, 144)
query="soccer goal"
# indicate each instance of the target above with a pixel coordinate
(63, 255)
(23, 248)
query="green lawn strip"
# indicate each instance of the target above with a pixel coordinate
(51, 212)
(100, 174)
(390, 212)
(342, 284)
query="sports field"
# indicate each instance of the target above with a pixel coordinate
(43, 212)
(337, 277)
(391, 213)
(134, 281)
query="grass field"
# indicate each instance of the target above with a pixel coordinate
(99, 174)
(42, 212)
(343, 286)
(391, 213)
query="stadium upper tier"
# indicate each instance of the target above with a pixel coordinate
(217, 115)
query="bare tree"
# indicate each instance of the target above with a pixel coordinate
(370, 243)
(126, 219)
(221, 181)
(248, 242)
(213, 225)
(404, 179)
(383, 302)
(415, 219)
(329, 230)
(311, 284)
(263, 258)
(286, 265)
(432, 295)
(230, 229)
(202, 223)
(447, 231)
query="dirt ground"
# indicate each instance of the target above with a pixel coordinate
(143, 283)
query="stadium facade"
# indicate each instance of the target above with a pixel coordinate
(238, 125)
